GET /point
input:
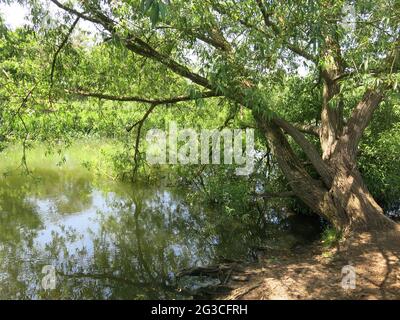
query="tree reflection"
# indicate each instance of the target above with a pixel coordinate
(131, 249)
(22, 217)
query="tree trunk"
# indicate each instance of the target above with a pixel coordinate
(350, 193)
(340, 196)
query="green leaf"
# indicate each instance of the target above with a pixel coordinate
(146, 4)
(154, 13)
(162, 10)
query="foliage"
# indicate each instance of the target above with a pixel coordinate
(330, 237)
(380, 152)
(267, 68)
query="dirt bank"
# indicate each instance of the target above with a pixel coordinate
(315, 272)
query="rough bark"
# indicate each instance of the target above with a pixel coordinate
(352, 195)
(332, 110)
(340, 196)
(311, 191)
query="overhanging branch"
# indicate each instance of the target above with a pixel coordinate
(103, 96)
(137, 142)
(76, 12)
(61, 46)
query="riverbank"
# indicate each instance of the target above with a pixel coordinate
(72, 201)
(314, 272)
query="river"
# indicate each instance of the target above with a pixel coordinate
(107, 239)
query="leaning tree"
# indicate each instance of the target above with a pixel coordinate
(245, 50)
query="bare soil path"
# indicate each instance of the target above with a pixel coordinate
(316, 273)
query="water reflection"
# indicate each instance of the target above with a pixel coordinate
(107, 240)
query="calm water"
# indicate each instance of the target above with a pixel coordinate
(108, 240)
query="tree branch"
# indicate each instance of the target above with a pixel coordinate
(202, 95)
(363, 112)
(268, 23)
(299, 51)
(309, 190)
(308, 128)
(360, 118)
(310, 151)
(63, 43)
(75, 12)
(266, 18)
(144, 49)
(215, 39)
(141, 121)
(137, 142)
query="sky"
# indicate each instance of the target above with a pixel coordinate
(14, 14)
